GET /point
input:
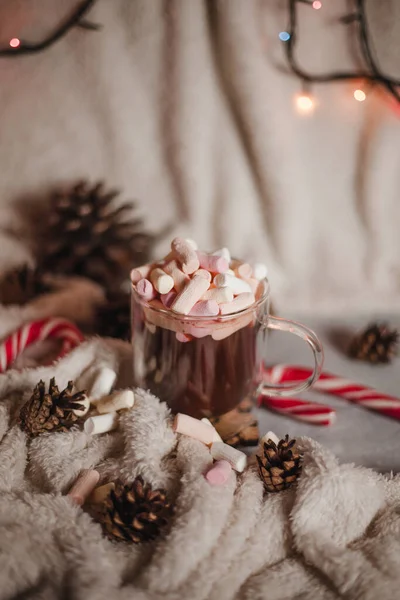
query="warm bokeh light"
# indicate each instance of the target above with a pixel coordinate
(14, 43)
(359, 95)
(304, 103)
(317, 4)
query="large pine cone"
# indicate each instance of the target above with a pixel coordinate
(134, 513)
(52, 411)
(89, 236)
(21, 285)
(376, 344)
(279, 465)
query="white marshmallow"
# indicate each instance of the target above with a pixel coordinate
(117, 401)
(85, 403)
(269, 436)
(260, 271)
(101, 423)
(220, 295)
(190, 294)
(192, 243)
(236, 458)
(103, 383)
(224, 252)
(161, 281)
(217, 437)
(238, 286)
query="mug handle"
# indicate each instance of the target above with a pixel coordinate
(287, 389)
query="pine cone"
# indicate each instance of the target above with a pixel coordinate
(113, 318)
(134, 513)
(279, 465)
(89, 236)
(376, 344)
(21, 285)
(53, 411)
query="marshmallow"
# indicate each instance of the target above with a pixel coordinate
(224, 252)
(179, 277)
(244, 270)
(145, 289)
(191, 243)
(182, 337)
(85, 403)
(270, 436)
(198, 332)
(238, 286)
(161, 281)
(219, 473)
(260, 271)
(83, 486)
(215, 264)
(117, 401)
(101, 423)
(102, 384)
(190, 294)
(186, 255)
(100, 493)
(204, 273)
(220, 295)
(167, 299)
(230, 272)
(140, 273)
(221, 451)
(205, 308)
(193, 428)
(217, 437)
(241, 302)
(253, 283)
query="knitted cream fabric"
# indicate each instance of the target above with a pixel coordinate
(335, 535)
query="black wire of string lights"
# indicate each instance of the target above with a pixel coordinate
(17, 47)
(371, 72)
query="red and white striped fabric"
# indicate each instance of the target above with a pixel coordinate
(338, 386)
(37, 331)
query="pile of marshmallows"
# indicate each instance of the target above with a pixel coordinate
(188, 282)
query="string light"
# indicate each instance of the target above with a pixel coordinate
(304, 103)
(359, 95)
(317, 4)
(284, 36)
(14, 42)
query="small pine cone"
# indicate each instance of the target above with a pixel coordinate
(134, 513)
(376, 344)
(279, 465)
(54, 411)
(89, 235)
(113, 317)
(21, 285)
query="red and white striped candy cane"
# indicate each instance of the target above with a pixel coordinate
(301, 410)
(339, 386)
(37, 331)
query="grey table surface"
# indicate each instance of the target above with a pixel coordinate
(358, 436)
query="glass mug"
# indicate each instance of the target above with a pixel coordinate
(205, 366)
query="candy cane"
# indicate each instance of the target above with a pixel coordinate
(37, 331)
(338, 386)
(301, 410)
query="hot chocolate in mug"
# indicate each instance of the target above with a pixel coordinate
(206, 365)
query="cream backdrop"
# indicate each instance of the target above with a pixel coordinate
(186, 106)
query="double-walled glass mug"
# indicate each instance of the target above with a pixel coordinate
(205, 366)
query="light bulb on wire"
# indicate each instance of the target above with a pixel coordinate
(14, 42)
(304, 103)
(359, 95)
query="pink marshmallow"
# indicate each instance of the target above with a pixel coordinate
(167, 299)
(186, 255)
(244, 271)
(140, 273)
(190, 294)
(179, 277)
(241, 302)
(145, 289)
(219, 473)
(215, 264)
(193, 428)
(205, 308)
